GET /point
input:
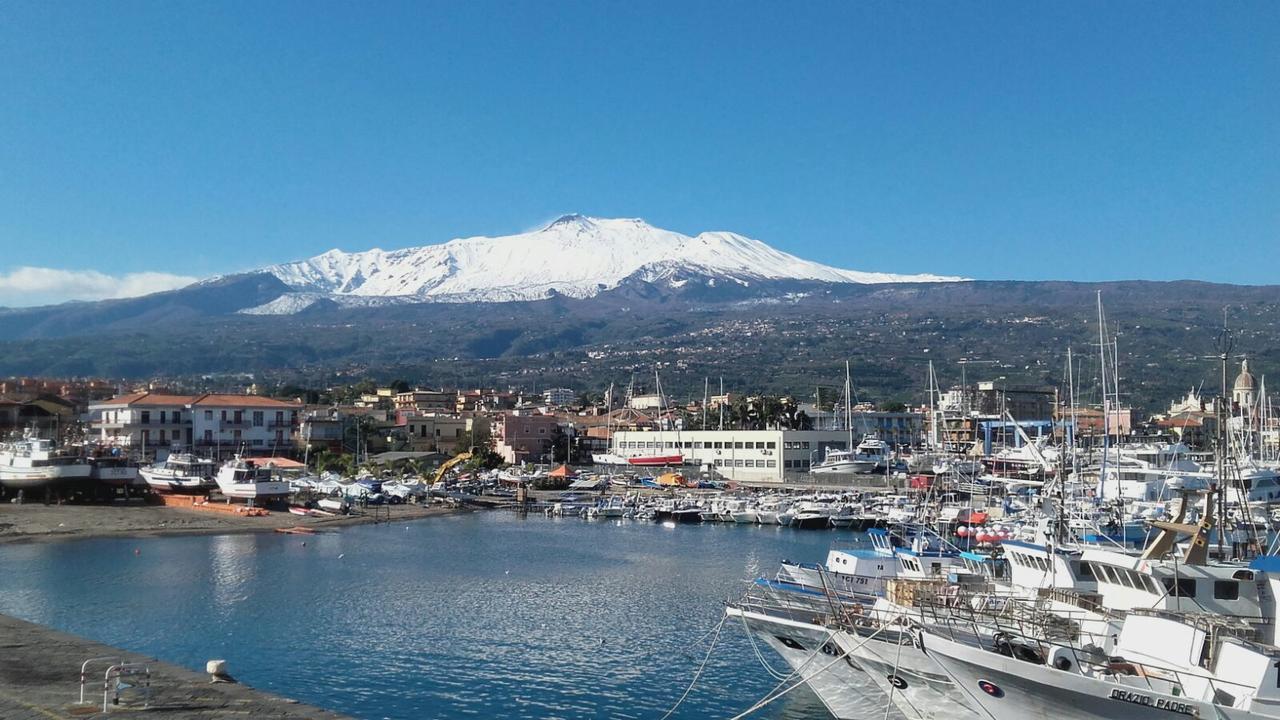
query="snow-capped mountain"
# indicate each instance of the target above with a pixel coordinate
(574, 256)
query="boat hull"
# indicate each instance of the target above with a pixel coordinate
(31, 478)
(839, 682)
(1010, 689)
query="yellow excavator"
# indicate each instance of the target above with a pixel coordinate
(448, 464)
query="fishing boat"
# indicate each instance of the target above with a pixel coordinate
(33, 462)
(244, 479)
(181, 473)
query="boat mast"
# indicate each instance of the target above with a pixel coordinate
(1223, 413)
(1106, 419)
(721, 408)
(706, 384)
(933, 414)
(848, 400)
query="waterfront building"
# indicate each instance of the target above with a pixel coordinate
(48, 414)
(433, 432)
(210, 422)
(322, 429)
(524, 437)
(751, 456)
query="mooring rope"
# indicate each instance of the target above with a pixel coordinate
(760, 656)
(702, 666)
(770, 697)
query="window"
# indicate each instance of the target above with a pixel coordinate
(759, 445)
(771, 445)
(737, 463)
(177, 416)
(719, 445)
(1085, 570)
(718, 462)
(146, 417)
(1226, 590)
(208, 414)
(1181, 587)
(773, 463)
(737, 446)
(162, 416)
(208, 435)
(258, 418)
(697, 444)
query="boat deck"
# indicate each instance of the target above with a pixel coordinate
(40, 680)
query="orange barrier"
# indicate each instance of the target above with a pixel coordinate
(200, 502)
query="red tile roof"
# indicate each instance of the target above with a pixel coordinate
(205, 400)
(226, 400)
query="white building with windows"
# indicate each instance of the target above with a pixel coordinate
(559, 397)
(753, 456)
(210, 423)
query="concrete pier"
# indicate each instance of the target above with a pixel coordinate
(40, 680)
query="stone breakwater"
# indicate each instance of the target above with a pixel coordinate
(40, 680)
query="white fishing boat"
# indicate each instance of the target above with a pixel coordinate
(244, 479)
(33, 462)
(181, 473)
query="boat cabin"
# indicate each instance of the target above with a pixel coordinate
(1036, 567)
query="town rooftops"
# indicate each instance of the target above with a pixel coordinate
(204, 400)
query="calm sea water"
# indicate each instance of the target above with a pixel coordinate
(478, 615)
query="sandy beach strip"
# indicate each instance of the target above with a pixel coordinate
(34, 522)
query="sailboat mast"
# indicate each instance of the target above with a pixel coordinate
(721, 408)
(1106, 419)
(933, 416)
(706, 384)
(848, 400)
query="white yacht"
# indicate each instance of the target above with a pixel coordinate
(838, 461)
(245, 479)
(181, 473)
(34, 462)
(845, 460)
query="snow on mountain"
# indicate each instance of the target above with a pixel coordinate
(575, 256)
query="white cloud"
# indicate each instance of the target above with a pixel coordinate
(27, 286)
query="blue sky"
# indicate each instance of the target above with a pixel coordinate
(1020, 140)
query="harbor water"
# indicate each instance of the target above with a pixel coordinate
(476, 615)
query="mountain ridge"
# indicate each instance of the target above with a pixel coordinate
(574, 256)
